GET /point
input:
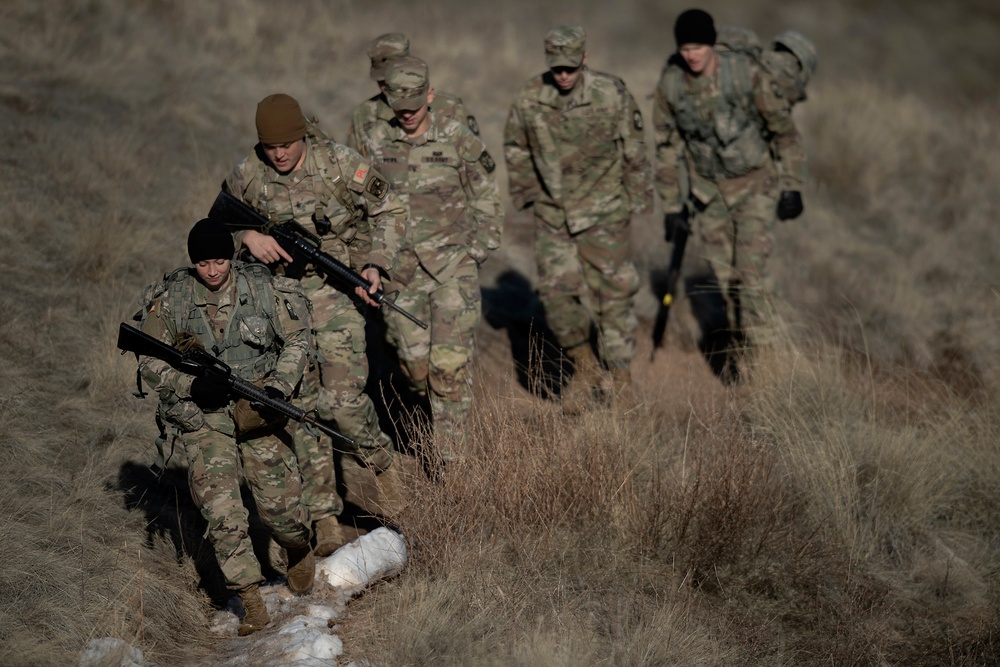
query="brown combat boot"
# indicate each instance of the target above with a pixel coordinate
(255, 616)
(330, 536)
(392, 498)
(301, 569)
(579, 393)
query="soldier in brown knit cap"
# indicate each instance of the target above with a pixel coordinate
(295, 173)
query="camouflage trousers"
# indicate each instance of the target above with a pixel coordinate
(436, 361)
(589, 277)
(737, 232)
(315, 456)
(215, 460)
(339, 325)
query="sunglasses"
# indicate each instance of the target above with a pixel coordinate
(564, 70)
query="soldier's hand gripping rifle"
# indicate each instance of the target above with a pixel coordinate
(200, 363)
(301, 244)
(678, 231)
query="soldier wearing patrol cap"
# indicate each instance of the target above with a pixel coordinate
(444, 174)
(576, 155)
(295, 174)
(382, 52)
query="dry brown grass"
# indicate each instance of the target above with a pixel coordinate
(840, 510)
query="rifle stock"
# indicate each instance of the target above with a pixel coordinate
(673, 274)
(301, 244)
(200, 363)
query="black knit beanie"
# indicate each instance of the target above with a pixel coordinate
(694, 27)
(210, 239)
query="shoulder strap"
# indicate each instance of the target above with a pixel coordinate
(253, 282)
(674, 79)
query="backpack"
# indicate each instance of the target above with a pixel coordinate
(790, 59)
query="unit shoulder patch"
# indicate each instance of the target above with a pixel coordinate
(472, 124)
(637, 119)
(488, 164)
(377, 188)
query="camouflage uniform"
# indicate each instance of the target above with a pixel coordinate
(445, 178)
(339, 197)
(579, 160)
(726, 145)
(382, 52)
(260, 328)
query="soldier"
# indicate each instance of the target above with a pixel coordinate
(383, 50)
(295, 173)
(575, 154)
(444, 174)
(726, 145)
(259, 326)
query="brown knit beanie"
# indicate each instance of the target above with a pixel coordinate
(279, 120)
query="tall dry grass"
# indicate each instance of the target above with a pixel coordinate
(840, 509)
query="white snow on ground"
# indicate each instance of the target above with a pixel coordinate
(302, 632)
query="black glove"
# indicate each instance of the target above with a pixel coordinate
(263, 410)
(674, 223)
(789, 205)
(209, 394)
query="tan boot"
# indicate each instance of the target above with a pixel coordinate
(578, 395)
(392, 497)
(301, 569)
(255, 616)
(330, 536)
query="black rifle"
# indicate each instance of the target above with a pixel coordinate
(673, 273)
(301, 244)
(200, 363)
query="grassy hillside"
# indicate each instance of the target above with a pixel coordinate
(841, 508)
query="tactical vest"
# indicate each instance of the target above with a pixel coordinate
(249, 342)
(320, 160)
(734, 141)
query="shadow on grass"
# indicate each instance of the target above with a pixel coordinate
(165, 500)
(514, 306)
(718, 343)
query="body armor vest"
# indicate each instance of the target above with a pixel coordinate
(249, 343)
(732, 142)
(351, 223)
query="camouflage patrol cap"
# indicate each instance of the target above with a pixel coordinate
(564, 46)
(384, 49)
(407, 84)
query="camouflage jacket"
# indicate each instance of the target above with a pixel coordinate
(721, 132)
(257, 324)
(445, 178)
(583, 152)
(372, 111)
(361, 219)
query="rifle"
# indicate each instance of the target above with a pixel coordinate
(300, 243)
(200, 363)
(673, 273)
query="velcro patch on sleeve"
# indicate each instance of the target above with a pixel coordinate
(637, 120)
(361, 174)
